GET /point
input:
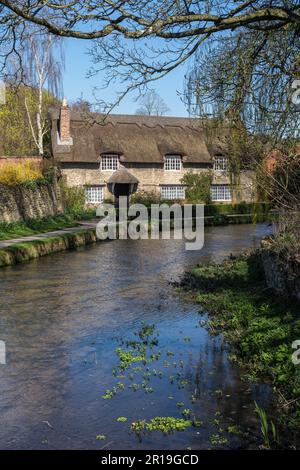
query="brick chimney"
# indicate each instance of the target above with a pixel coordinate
(64, 123)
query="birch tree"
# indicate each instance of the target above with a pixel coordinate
(43, 66)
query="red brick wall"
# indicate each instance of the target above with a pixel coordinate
(64, 123)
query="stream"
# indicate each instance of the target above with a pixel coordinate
(62, 318)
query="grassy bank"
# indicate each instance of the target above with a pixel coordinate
(49, 224)
(259, 325)
(22, 252)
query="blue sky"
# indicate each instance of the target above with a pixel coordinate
(76, 83)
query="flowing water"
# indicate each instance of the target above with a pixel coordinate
(62, 318)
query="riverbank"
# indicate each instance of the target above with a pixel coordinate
(10, 230)
(259, 326)
(46, 244)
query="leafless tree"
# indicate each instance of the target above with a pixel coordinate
(81, 105)
(139, 41)
(152, 104)
(248, 78)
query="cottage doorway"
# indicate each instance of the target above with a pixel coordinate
(121, 190)
(122, 183)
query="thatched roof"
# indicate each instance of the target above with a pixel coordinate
(138, 139)
(123, 176)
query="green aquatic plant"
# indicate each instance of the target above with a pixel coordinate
(138, 427)
(186, 413)
(170, 353)
(100, 437)
(154, 356)
(122, 419)
(217, 440)
(234, 430)
(134, 387)
(197, 423)
(182, 383)
(120, 385)
(193, 398)
(264, 427)
(146, 331)
(129, 357)
(109, 393)
(166, 425)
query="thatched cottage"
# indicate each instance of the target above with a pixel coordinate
(130, 152)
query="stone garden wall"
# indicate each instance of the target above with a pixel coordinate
(20, 202)
(281, 276)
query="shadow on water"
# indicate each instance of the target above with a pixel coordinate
(60, 317)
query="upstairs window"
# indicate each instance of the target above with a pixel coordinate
(109, 162)
(220, 163)
(220, 192)
(173, 163)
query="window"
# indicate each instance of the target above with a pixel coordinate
(94, 194)
(220, 192)
(109, 162)
(173, 163)
(172, 192)
(220, 163)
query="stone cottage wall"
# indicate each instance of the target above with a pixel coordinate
(151, 178)
(21, 203)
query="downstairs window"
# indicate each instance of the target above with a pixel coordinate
(94, 194)
(220, 192)
(172, 192)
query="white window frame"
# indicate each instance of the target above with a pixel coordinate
(172, 191)
(220, 193)
(94, 194)
(109, 162)
(221, 163)
(173, 163)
